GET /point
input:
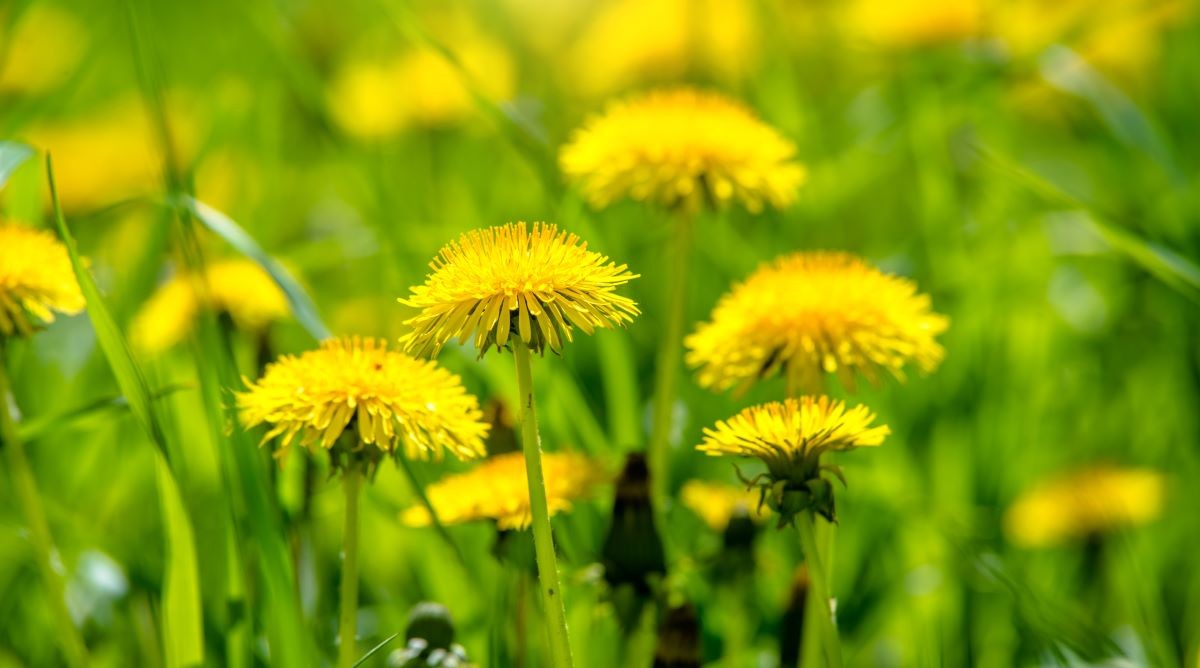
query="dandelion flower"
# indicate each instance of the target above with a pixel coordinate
(815, 313)
(497, 489)
(682, 148)
(789, 438)
(1084, 503)
(36, 280)
(717, 503)
(239, 288)
(388, 397)
(536, 283)
(915, 23)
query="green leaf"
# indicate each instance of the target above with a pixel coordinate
(181, 610)
(12, 156)
(226, 228)
(33, 429)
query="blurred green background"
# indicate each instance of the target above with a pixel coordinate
(1032, 165)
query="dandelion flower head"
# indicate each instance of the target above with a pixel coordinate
(240, 288)
(498, 489)
(809, 314)
(36, 280)
(789, 437)
(538, 283)
(388, 397)
(1084, 503)
(682, 148)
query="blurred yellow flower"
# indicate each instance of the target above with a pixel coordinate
(716, 503)
(789, 437)
(374, 98)
(629, 42)
(498, 489)
(239, 288)
(40, 50)
(914, 23)
(815, 313)
(539, 283)
(36, 280)
(1083, 503)
(386, 396)
(111, 153)
(682, 148)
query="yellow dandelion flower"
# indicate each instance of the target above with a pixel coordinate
(498, 489)
(240, 288)
(915, 23)
(536, 283)
(716, 503)
(388, 397)
(789, 438)
(40, 50)
(36, 280)
(815, 313)
(1083, 503)
(682, 148)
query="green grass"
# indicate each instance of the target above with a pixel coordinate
(1061, 240)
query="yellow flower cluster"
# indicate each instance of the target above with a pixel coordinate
(498, 489)
(682, 148)
(809, 314)
(240, 288)
(389, 398)
(534, 282)
(36, 280)
(1085, 502)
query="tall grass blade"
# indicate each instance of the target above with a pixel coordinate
(12, 156)
(182, 611)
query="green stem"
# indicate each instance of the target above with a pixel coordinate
(39, 529)
(543, 538)
(666, 372)
(830, 644)
(348, 609)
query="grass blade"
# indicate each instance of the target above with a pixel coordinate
(33, 429)
(182, 611)
(12, 156)
(226, 228)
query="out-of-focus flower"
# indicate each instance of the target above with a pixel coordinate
(40, 50)
(111, 153)
(716, 503)
(914, 23)
(815, 313)
(1084, 503)
(682, 148)
(36, 280)
(390, 399)
(379, 97)
(538, 283)
(630, 42)
(239, 288)
(789, 437)
(498, 489)
(1119, 37)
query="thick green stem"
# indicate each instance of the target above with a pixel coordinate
(830, 645)
(348, 609)
(543, 538)
(666, 372)
(25, 487)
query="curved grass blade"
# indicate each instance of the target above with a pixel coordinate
(226, 228)
(33, 429)
(1170, 267)
(371, 652)
(12, 156)
(182, 611)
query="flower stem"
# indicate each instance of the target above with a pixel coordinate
(348, 609)
(39, 529)
(830, 644)
(666, 372)
(543, 538)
